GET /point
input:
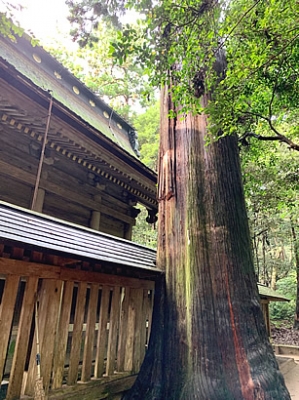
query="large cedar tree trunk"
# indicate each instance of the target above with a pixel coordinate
(208, 341)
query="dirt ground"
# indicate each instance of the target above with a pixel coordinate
(289, 336)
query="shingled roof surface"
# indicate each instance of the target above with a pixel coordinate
(21, 226)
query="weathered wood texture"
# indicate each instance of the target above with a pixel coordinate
(6, 315)
(79, 329)
(90, 333)
(21, 348)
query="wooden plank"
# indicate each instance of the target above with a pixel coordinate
(27, 268)
(113, 331)
(122, 341)
(95, 389)
(21, 348)
(139, 322)
(6, 316)
(129, 364)
(150, 313)
(77, 334)
(90, 333)
(102, 333)
(144, 314)
(62, 335)
(48, 342)
(45, 304)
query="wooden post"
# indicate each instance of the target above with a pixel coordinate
(90, 332)
(113, 331)
(138, 326)
(128, 230)
(62, 335)
(6, 316)
(48, 342)
(144, 317)
(102, 333)
(129, 351)
(122, 341)
(20, 353)
(39, 203)
(77, 334)
(95, 220)
(49, 298)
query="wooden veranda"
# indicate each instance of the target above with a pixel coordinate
(95, 298)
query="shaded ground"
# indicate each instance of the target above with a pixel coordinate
(284, 335)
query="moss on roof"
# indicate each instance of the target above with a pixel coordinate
(271, 294)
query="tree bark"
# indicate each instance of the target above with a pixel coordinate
(210, 340)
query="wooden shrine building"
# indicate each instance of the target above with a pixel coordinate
(268, 295)
(70, 179)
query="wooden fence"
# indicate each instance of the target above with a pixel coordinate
(91, 325)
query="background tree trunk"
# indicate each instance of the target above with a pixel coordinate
(296, 253)
(214, 344)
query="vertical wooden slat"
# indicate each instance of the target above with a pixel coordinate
(19, 358)
(122, 341)
(102, 333)
(150, 314)
(44, 298)
(6, 316)
(113, 331)
(48, 341)
(145, 311)
(90, 332)
(77, 334)
(62, 335)
(137, 328)
(128, 364)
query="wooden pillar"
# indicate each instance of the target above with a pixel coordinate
(128, 232)
(40, 200)
(95, 220)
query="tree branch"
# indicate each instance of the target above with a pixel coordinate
(281, 138)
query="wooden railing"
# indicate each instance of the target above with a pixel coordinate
(91, 326)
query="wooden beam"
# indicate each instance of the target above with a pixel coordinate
(75, 197)
(27, 268)
(96, 389)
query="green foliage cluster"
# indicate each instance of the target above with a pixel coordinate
(271, 183)
(284, 311)
(147, 125)
(122, 86)
(143, 233)
(185, 43)
(8, 26)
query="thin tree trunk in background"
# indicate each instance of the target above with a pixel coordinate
(210, 340)
(273, 277)
(296, 252)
